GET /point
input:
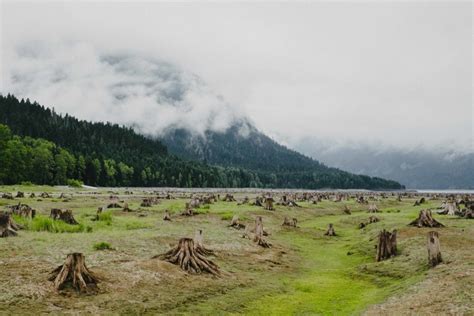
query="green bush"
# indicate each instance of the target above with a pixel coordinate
(74, 183)
(103, 246)
(26, 183)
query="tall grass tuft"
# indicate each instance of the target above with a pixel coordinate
(42, 223)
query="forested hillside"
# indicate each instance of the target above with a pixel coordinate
(106, 154)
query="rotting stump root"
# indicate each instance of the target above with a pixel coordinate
(188, 259)
(74, 272)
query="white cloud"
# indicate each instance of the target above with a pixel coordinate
(396, 73)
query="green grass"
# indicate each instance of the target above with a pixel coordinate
(42, 223)
(305, 273)
(102, 246)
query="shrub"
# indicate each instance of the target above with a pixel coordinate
(103, 246)
(27, 183)
(74, 183)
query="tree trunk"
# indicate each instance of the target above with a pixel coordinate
(189, 260)
(258, 237)
(425, 219)
(330, 231)
(387, 246)
(74, 272)
(434, 252)
(7, 227)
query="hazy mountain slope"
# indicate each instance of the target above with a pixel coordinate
(242, 145)
(421, 169)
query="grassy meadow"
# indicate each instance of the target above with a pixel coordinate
(303, 273)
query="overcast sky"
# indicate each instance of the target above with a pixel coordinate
(393, 73)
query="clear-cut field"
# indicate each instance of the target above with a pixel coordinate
(304, 272)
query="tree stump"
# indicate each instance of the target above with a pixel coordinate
(346, 210)
(75, 273)
(98, 212)
(126, 208)
(269, 204)
(45, 195)
(167, 216)
(65, 216)
(114, 205)
(20, 194)
(258, 237)
(370, 220)
(425, 219)
(7, 196)
(32, 195)
(189, 260)
(289, 222)
(229, 198)
(199, 245)
(235, 223)
(373, 208)
(23, 210)
(330, 231)
(7, 227)
(387, 246)
(434, 252)
(188, 211)
(258, 201)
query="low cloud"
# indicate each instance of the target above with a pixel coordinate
(149, 94)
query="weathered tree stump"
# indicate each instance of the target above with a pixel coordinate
(188, 211)
(45, 195)
(258, 237)
(258, 201)
(289, 222)
(269, 204)
(114, 205)
(373, 208)
(23, 210)
(8, 227)
(235, 223)
(425, 219)
(387, 246)
(188, 259)
(32, 195)
(98, 212)
(75, 273)
(65, 216)
(434, 252)
(167, 216)
(330, 231)
(20, 194)
(126, 208)
(370, 220)
(7, 196)
(229, 198)
(199, 245)
(346, 210)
